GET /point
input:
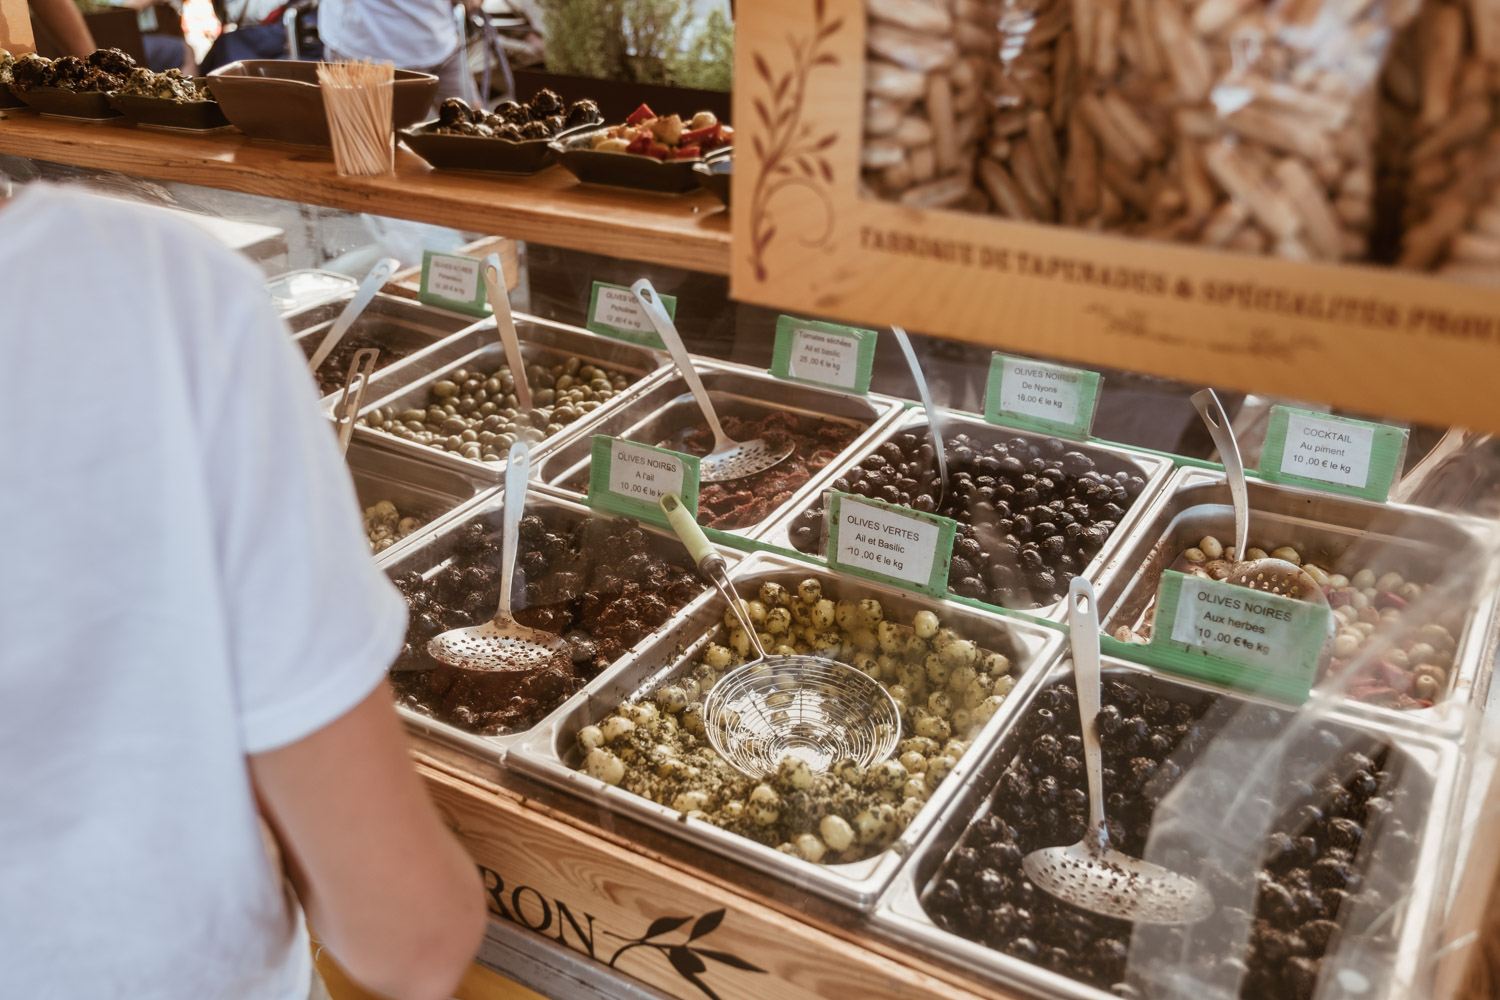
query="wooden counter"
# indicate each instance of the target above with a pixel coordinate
(689, 231)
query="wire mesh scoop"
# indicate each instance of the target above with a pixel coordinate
(811, 708)
(502, 643)
(1271, 576)
(1090, 874)
(729, 459)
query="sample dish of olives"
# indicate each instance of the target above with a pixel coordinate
(512, 139)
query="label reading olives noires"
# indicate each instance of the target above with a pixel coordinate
(626, 477)
(615, 312)
(1237, 637)
(826, 354)
(1328, 452)
(896, 545)
(453, 282)
(1038, 396)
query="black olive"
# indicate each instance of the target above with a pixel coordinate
(584, 112)
(544, 103)
(454, 110)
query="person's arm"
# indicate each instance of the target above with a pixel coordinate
(385, 885)
(64, 22)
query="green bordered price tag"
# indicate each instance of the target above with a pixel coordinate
(453, 282)
(1237, 637)
(1354, 457)
(614, 312)
(629, 478)
(897, 545)
(1037, 396)
(826, 354)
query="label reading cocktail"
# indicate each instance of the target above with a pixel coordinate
(1334, 453)
(895, 544)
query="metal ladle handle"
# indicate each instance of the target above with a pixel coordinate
(1083, 633)
(1206, 401)
(708, 561)
(517, 472)
(363, 296)
(505, 323)
(651, 305)
(925, 395)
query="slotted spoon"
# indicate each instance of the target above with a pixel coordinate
(502, 643)
(729, 459)
(1090, 874)
(1272, 576)
(811, 708)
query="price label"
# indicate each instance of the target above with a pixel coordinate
(1337, 454)
(826, 354)
(453, 282)
(1038, 396)
(1238, 637)
(626, 477)
(882, 541)
(615, 312)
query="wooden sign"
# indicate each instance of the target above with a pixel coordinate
(15, 27)
(807, 239)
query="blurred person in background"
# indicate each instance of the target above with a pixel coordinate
(200, 744)
(421, 35)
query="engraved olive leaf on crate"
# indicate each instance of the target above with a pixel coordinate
(787, 151)
(684, 957)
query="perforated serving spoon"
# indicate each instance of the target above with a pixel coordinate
(812, 708)
(1272, 576)
(363, 296)
(729, 459)
(502, 643)
(1090, 874)
(352, 396)
(925, 395)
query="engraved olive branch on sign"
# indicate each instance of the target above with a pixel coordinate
(789, 155)
(685, 958)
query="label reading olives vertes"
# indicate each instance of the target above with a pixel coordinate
(1238, 637)
(1035, 396)
(626, 477)
(826, 354)
(1332, 453)
(896, 545)
(614, 312)
(453, 282)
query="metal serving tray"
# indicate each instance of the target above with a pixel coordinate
(428, 550)
(542, 342)
(1110, 458)
(1325, 528)
(392, 321)
(738, 390)
(550, 752)
(900, 913)
(418, 489)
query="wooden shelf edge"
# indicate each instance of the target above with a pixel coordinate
(689, 231)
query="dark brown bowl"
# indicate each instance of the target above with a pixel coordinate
(715, 172)
(280, 100)
(489, 155)
(631, 170)
(159, 112)
(8, 99)
(89, 105)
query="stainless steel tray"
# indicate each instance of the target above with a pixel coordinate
(417, 488)
(428, 550)
(550, 753)
(542, 342)
(1106, 562)
(389, 320)
(1319, 526)
(738, 390)
(900, 913)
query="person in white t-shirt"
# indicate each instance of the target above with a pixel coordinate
(192, 637)
(411, 34)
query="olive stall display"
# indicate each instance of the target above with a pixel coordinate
(945, 686)
(543, 117)
(1412, 674)
(473, 412)
(1031, 512)
(600, 583)
(1339, 850)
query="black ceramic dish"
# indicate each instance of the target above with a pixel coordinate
(159, 112)
(447, 151)
(9, 100)
(631, 170)
(280, 100)
(715, 173)
(89, 105)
